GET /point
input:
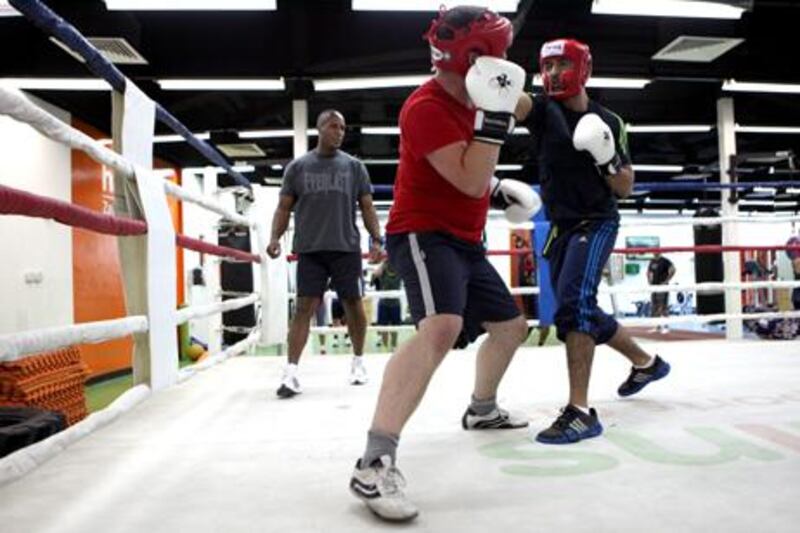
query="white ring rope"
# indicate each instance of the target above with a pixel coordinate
(703, 287)
(719, 317)
(625, 321)
(240, 347)
(697, 287)
(199, 311)
(179, 192)
(14, 104)
(19, 463)
(17, 345)
(708, 221)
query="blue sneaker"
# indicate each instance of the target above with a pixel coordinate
(572, 425)
(640, 377)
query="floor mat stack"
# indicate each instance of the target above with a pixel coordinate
(52, 381)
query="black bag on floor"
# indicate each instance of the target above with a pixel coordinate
(23, 426)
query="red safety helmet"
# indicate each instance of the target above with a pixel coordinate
(488, 34)
(571, 80)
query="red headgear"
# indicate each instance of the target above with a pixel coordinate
(489, 34)
(572, 80)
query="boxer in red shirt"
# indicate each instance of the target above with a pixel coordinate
(451, 131)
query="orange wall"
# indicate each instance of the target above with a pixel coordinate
(98, 292)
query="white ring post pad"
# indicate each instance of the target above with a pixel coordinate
(138, 126)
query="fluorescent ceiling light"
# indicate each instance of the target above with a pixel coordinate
(618, 83)
(668, 128)
(607, 83)
(56, 84)
(658, 168)
(222, 85)
(501, 6)
(755, 87)
(380, 130)
(178, 138)
(508, 167)
(273, 134)
(667, 8)
(7, 11)
(381, 82)
(767, 129)
(767, 203)
(191, 5)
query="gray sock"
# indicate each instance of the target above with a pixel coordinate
(483, 407)
(378, 445)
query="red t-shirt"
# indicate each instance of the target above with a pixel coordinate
(424, 200)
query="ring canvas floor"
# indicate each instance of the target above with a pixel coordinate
(714, 446)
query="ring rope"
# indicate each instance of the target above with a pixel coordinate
(49, 22)
(17, 345)
(21, 462)
(17, 202)
(199, 311)
(700, 248)
(179, 192)
(240, 347)
(625, 321)
(15, 105)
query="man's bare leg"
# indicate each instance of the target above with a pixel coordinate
(298, 330)
(495, 354)
(356, 323)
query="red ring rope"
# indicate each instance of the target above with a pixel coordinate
(17, 202)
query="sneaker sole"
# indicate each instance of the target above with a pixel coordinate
(489, 424)
(285, 392)
(393, 519)
(660, 375)
(566, 440)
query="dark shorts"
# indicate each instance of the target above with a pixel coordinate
(337, 311)
(445, 275)
(388, 313)
(796, 299)
(343, 269)
(577, 258)
(659, 299)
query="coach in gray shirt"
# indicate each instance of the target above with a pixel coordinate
(323, 188)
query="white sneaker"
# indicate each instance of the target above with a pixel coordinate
(358, 373)
(290, 385)
(380, 485)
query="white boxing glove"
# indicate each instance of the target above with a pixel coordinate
(595, 136)
(518, 200)
(494, 85)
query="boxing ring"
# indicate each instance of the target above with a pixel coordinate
(716, 445)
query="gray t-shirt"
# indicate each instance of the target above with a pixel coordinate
(326, 190)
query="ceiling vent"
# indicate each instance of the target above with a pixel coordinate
(244, 150)
(696, 49)
(115, 49)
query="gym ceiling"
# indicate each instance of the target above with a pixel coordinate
(305, 41)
